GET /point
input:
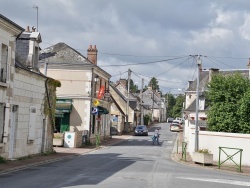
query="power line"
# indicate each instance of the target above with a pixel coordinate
(119, 74)
(142, 63)
(218, 62)
(173, 67)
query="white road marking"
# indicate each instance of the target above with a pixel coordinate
(241, 183)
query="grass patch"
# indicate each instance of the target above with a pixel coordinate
(2, 160)
(47, 153)
(25, 157)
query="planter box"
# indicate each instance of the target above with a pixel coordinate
(57, 142)
(203, 158)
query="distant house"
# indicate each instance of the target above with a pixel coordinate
(23, 127)
(156, 104)
(190, 97)
(120, 97)
(81, 107)
(205, 77)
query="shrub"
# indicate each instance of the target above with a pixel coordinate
(2, 160)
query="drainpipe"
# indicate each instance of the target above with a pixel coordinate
(91, 102)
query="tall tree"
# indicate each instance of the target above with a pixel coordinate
(154, 84)
(170, 102)
(178, 107)
(229, 105)
(133, 87)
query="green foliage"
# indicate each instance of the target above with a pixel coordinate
(178, 107)
(47, 153)
(25, 157)
(50, 100)
(147, 119)
(154, 84)
(174, 105)
(133, 88)
(205, 151)
(2, 160)
(229, 106)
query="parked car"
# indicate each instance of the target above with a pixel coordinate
(141, 130)
(175, 126)
(170, 120)
(180, 120)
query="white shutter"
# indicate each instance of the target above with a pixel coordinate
(32, 123)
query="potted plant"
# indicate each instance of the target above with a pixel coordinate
(203, 156)
(58, 139)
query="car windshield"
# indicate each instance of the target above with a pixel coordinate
(141, 127)
(175, 122)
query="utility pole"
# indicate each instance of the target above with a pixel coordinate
(153, 102)
(142, 83)
(197, 105)
(127, 107)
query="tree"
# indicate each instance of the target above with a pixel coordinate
(154, 84)
(133, 88)
(170, 100)
(228, 100)
(178, 107)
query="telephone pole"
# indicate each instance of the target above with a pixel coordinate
(142, 83)
(127, 107)
(197, 104)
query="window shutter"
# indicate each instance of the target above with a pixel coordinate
(32, 123)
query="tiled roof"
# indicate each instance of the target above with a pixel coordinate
(62, 55)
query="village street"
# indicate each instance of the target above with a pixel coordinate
(132, 163)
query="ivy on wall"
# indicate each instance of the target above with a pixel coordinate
(50, 100)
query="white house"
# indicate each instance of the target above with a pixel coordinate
(23, 129)
(83, 84)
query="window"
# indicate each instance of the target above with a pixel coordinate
(3, 62)
(1, 121)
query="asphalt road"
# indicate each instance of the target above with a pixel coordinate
(133, 163)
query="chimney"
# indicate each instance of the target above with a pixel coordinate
(92, 54)
(28, 29)
(212, 71)
(33, 29)
(124, 82)
(190, 82)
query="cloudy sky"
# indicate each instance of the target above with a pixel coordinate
(159, 38)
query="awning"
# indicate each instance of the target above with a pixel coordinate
(102, 110)
(63, 107)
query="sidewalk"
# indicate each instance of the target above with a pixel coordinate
(60, 154)
(177, 157)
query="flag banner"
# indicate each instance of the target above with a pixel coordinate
(101, 92)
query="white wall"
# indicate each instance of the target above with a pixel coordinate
(28, 91)
(213, 140)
